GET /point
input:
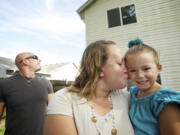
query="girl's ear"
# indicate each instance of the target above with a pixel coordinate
(160, 67)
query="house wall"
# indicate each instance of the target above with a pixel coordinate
(158, 25)
(2, 72)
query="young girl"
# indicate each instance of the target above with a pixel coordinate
(154, 110)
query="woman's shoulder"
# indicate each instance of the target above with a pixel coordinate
(65, 93)
(61, 102)
(59, 96)
(62, 91)
(121, 94)
(72, 97)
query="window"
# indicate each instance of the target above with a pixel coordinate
(9, 72)
(114, 17)
(127, 14)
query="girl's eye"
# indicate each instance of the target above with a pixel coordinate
(147, 68)
(132, 70)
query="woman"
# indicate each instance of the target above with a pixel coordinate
(93, 105)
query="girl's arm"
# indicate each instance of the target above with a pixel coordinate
(59, 125)
(169, 119)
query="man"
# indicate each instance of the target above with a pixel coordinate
(25, 97)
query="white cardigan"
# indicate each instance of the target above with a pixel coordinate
(68, 103)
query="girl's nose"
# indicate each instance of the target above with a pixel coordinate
(140, 74)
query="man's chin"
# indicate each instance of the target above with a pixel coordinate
(38, 69)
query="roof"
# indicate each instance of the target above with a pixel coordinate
(7, 63)
(80, 11)
(61, 71)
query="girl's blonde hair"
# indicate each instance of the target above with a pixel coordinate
(139, 46)
(94, 57)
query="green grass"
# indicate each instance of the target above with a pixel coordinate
(2, 131)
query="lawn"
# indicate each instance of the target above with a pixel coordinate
(1, 131)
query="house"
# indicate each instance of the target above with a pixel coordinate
(61, 74)
(7, 67)
(61, 71)
(156, 22)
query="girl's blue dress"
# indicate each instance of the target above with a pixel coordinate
(144, 111)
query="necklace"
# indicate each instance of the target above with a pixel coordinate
(94, 119)
(28, 80)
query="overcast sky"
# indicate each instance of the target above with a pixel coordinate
(52, 29)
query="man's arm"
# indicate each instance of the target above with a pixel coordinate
(169, 119)
(49, 96)
(1, 109)
(49, 90)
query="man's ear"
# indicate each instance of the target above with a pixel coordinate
(24, 62)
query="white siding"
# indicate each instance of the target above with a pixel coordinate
(2, 72)
(158, 25)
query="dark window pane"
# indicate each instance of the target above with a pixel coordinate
(113, 17)
(128, 14)
(159, 79)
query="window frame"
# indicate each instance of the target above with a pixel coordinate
(132, 18)
(121, 17)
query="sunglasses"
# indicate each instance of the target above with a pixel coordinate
(31, 57)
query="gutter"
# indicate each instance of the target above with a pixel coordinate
(80, 11)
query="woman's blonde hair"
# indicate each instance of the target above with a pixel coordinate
(94, 57)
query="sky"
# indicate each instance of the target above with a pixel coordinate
(52, 29)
